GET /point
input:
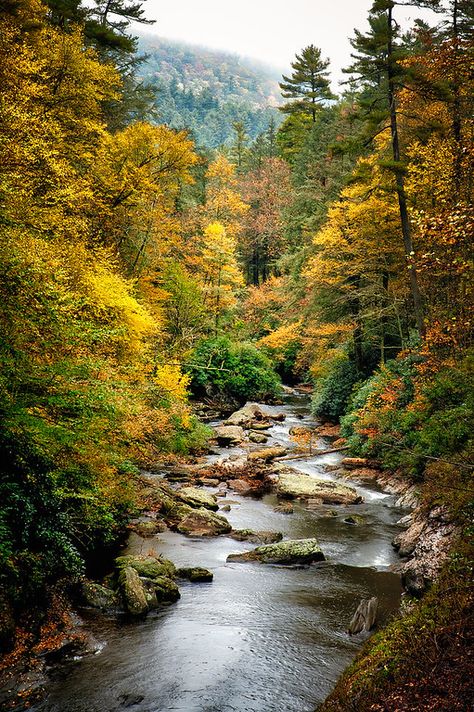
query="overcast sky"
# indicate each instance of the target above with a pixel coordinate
(268, 30)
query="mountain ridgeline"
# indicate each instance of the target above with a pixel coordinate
(206, 91)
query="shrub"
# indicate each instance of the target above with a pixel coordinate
(332, 391)
(409, 412)
(236, 371)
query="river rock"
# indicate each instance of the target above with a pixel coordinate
(257, 438)
(405, 542)
(150, 566)
(227, 435)
(240, 486)
(166, 590)
(296, 551)
(295, 485)
(202, 522)
(148, 528)
(97, 596)
(260, 425)
(133, 591)
(244, 415)
(208, 482)
(196, 497)
(226, 508)
(267, 454)
(363, 474)
(195, 574)
(259, 537)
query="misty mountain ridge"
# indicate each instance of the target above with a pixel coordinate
(207, 90)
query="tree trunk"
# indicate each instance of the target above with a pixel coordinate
(402, 201)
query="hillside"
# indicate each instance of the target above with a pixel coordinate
(206, 90)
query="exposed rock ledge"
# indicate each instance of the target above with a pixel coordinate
(427, 541)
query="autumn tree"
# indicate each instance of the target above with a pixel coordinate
(263, 239)
(219, 271)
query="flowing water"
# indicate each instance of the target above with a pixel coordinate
(258, 638)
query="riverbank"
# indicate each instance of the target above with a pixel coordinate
(257, 627)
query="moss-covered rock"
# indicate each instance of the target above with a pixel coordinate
(195, 574)
(166, 589)
(260, 537)
(294, 551)
(202, 522)
(147, 566)
(259, 438)
(295, 485)
(148, 528)
(97, 596)
(133, 591)
(195, 497)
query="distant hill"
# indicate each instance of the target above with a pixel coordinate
(206, 90)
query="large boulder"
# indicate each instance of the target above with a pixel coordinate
(196, 497)
(133, 592)
(267, 454)
(227, 435)
(295, 485)
(202, 522)
(150, 566)
(166, 590)
(243, 416)
(296, 551)
(260, 537)
(97, 596)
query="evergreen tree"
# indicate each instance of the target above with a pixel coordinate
(308, 86)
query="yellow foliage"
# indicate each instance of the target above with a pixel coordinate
(172, 382)
(283, 336)
(112, 301)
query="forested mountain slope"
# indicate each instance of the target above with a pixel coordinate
(206, 90)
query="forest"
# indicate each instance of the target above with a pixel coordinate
(157, 264)
(206, 92)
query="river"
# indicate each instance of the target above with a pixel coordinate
(258, 638)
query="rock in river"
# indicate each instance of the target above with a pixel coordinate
(227, 435)
(98, 596)
(196, 497)
(133, 592)
(294, 485)
(260, 537)
(195, 574)
(296, 551)
(244, 415)
(147, 566)
(202, 522)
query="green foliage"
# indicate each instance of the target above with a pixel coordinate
(406, 413)
(237, 371)
(332, 391)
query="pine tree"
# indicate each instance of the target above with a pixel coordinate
(308, 86)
